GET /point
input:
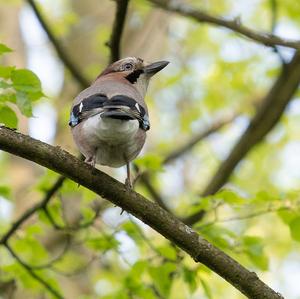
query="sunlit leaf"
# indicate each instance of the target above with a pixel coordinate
(162, 277)
(253, 247)
(150, 162)
(189, 277)
(8, 117)
(26, 81)
(168, 252)
(230, 197)
(206, 289)
(24, 104)
(5, 71)
(295, 229)
(5, 192)
(4, 49)
(103, 243)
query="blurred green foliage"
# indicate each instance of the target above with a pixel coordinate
(255, 219)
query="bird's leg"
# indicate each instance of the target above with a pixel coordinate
(128, 180)
(90, 160)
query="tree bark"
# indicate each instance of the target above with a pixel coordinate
(150, 213)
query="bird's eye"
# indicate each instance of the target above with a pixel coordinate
(128, 67)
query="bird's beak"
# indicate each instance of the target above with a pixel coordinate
(153, 68)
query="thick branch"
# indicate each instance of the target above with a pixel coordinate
(76, 73)
(118, 26)
(266, 118)
(235, 25)
(150, 213)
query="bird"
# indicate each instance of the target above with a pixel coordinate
(109, 119)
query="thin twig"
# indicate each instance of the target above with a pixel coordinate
(32, 273)
(265, 38)
(213, 128)
(72, 228)
(243, 217)
(274, 16)
(31, 211)
(115, 40)
(75, 71)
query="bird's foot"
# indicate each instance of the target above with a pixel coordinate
(91, 161)
(128, 184)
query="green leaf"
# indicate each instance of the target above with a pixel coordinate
(5, 71)
(150, 162)
(206, 289)
(189, 277)
(103, 243)
(230, 197)
(25, 81)
(168, 252)
(263, 197)
(8, 97)
(4, 84)
(5, 192)
(31, 249)
(287, 215)
(8, 117)
(4, 49)
(220, 236)
(162, 277)
(131, 231)
(253, 247)
(295, 229)
(138, 268)
(24, 104)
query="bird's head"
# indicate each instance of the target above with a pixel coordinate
(136, 71)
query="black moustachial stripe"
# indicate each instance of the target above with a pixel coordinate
(101, 101)
(132, 77)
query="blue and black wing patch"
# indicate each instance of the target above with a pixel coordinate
(89, 104)
(118, 107)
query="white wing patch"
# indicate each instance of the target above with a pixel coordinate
(138, 107)
(80, 107)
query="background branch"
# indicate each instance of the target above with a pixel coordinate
(33, 274)
(267, 116)
(115, 39)
(65, 57)
(150, 213)
(268, 39)
(30, 212)
(145, 177)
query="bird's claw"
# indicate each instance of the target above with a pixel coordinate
(128, 184)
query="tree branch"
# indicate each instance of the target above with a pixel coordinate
(213, 128)
(268, 39)
(118, 26)
(32, 273)
(267, 116)
(65, 58)
(32, 210)
(150, 213)
(145, 178)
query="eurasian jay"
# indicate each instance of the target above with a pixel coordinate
(110, 118)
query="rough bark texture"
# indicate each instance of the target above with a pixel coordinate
(150, 213)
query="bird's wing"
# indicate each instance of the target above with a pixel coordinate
(118, 106)
(86, 108)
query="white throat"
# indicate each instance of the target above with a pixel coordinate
(141, 84)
